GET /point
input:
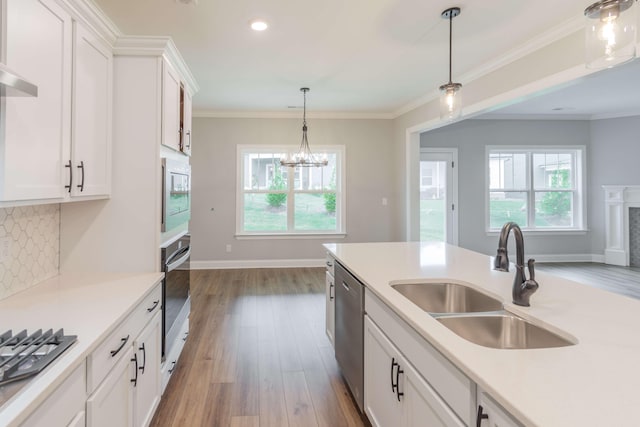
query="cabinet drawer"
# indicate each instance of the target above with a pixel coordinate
(451, 384)
(330, 263)
(171, 361)
(64, 405)
(104, 358)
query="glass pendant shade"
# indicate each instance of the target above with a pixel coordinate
(610, 33)
(450, 101)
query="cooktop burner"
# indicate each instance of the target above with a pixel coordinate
(23, 355)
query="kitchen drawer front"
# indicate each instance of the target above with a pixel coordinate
(330, 264)
(64, 405)
(450, 383)
(171, 361)
(105, 357)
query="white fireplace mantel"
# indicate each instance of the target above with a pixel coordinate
(618, 199)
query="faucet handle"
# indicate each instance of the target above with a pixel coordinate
(530, 267)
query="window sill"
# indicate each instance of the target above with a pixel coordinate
(558, 232)
(289, 236)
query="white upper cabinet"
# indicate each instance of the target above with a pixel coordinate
(92, 94)
(55, 146)
(170, 107)
(186, 122)
(35, 143)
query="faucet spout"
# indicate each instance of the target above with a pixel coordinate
(523, 288)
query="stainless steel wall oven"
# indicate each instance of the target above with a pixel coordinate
(176, 297)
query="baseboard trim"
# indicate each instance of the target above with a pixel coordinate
(256, 263)
(568, 258)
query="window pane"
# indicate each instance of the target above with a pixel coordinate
(265, 212)
(553, 170)
(508, 171)
(317, 178)
(315, 212)
(507, 206)
(260, 170)
(554, 209)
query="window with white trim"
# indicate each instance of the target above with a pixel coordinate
(280, 200)
(537, 188)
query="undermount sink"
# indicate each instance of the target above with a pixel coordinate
(437, 298)
(503, 331)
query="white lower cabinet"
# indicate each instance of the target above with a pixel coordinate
(490, 414)
(124, 371)
(330, 307)
(395, 393)
(112, 402)
(65, 406)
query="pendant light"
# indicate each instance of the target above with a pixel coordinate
(450, 97)
(304, 156)
(610, 33)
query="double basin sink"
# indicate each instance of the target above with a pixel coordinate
(478, 317)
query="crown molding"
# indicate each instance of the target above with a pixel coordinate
(295, 114)
(157, 46)
(631, 113)
(550, 36)
(90, 13)
(498, 116)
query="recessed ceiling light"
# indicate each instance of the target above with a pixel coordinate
(258, 25)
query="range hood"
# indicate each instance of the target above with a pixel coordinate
(11, 84)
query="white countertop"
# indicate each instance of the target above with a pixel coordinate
(593, 383)
(87, 305)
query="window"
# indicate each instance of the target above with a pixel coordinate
(274, 199)
(537, 188)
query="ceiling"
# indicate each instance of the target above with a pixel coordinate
(358, 56)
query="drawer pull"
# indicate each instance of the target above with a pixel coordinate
(329, 264)
(331, 297)
(122, 344)
(186, 334)
(153, 307)
(173, 366)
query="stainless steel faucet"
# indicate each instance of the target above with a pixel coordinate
(523, 288)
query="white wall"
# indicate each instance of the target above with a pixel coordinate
(370, 176)
(615, 159)
(471, 137)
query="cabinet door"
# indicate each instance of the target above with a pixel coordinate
(330, 311)
(147, 388)
(36, 139)
(423, 406)
(112, 402)
(187, 119)
(91, 136)
(170, 107)
(490, 414)
(381, 402)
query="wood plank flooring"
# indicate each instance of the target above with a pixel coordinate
(257, 355)
(621, 280)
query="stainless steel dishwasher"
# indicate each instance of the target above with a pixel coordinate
(349, 334)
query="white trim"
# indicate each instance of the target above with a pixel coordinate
(92, 15)
(568, 258)
(289, 236)
(257, 263)
(293, 113)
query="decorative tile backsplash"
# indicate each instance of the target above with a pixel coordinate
(32, 234)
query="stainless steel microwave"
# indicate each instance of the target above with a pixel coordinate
(176, 193)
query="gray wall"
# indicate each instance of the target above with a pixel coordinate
(615, 159)
(370, 176)
(471, 137)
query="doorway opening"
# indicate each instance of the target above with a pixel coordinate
(438, 195)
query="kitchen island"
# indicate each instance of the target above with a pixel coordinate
(591, 383)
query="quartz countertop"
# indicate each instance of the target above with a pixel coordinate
(87, 305)
(592, 383)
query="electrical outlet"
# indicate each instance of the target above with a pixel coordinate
(228, 248)
(5, 248)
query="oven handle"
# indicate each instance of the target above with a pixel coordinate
(174, 264)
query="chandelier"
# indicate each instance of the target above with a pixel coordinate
(450, 98)
(304, 156)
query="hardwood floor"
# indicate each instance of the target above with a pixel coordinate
(257, 354)
(621, 280)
